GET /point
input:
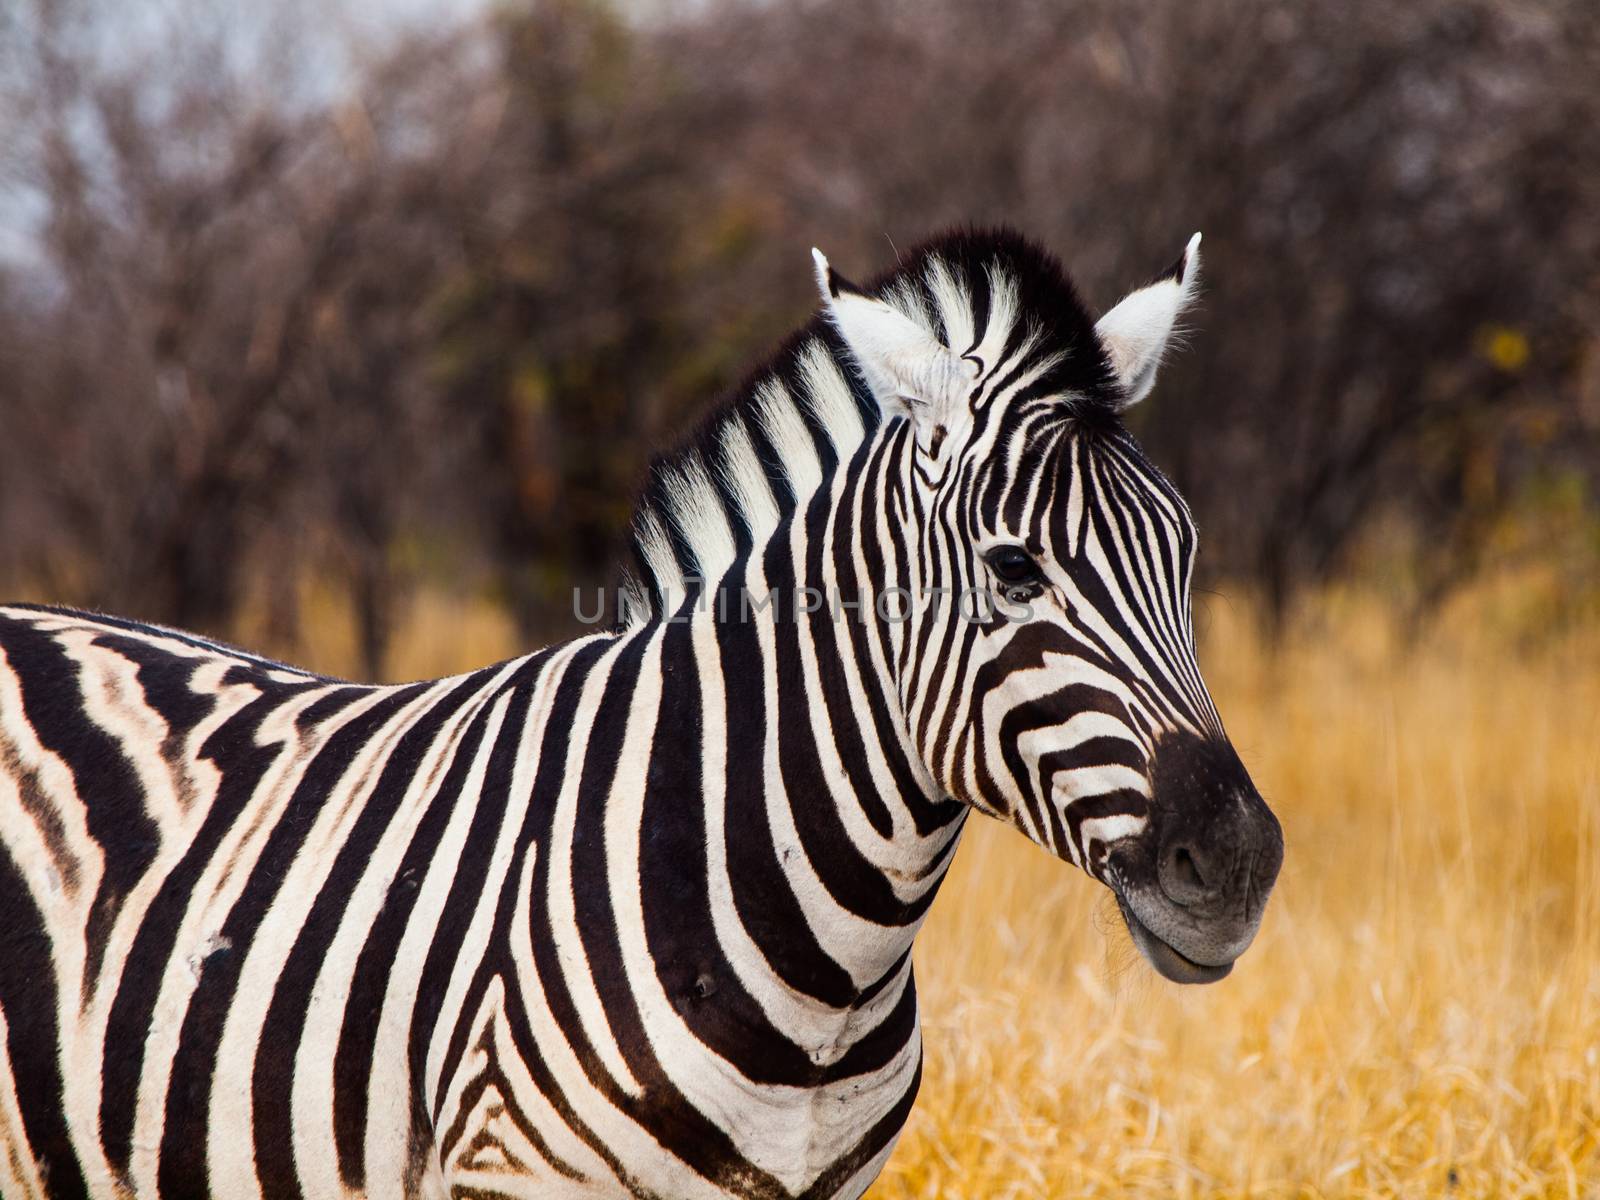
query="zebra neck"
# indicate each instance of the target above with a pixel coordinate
(827, 808)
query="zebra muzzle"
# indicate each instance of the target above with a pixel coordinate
(1193, 885)
(1166, 958)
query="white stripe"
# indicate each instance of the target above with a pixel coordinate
(695, 509)
(831, 399)
(791, 440)
(744, 476)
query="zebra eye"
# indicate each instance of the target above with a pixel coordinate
(1012, 564)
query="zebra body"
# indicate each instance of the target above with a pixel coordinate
(299, 948)
(632, 915)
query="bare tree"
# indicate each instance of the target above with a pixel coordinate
(430, 311)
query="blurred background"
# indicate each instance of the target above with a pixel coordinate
(387, 296)
(345, 330)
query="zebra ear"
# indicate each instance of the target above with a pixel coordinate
(1136, 332)
(910, 372)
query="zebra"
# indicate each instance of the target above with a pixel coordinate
(633, 915)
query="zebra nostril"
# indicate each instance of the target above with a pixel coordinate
(1187, 870)
(1181, 878)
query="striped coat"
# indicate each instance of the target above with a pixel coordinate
(633, 916)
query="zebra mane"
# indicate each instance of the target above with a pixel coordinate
(771, 442)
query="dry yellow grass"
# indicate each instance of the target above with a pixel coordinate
(1421, 1013)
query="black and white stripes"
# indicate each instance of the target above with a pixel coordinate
(633, 916)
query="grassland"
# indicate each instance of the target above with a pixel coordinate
(1421, 1013)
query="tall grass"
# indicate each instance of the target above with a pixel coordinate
(1420, 1015)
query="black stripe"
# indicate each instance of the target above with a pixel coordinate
(761, 895)
(660, 1107)
(30, 1001)
(853, 881)
(106, 782)
(676, 898)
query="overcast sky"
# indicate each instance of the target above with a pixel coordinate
(332, 34)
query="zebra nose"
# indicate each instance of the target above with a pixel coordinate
(1187, 876)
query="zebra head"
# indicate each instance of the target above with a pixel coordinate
(1048, 672)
